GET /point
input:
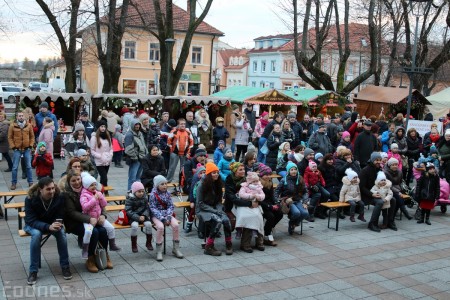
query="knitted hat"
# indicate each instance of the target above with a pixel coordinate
(433, 149)
(117, 127)
(380, 176)
(137, 186)
(40, 144)
(43, 104)
(290, 165)
(351, 174)
(200, 152)
(264, 170)
(226, 149)
(345, 134)
(87, 180)
(383, 155)
(199, 169)
(308, 151)
(368, 123)
(374, 156)
(429, 166)
(152, 121)
(80, 152)
(265, 113)
(392, 161)
(234, 166)
(211, 167)
(312, 164)
(291, 115)
(221, 143)
(172, 123)
(143, 116)
(158, 180)
(318, 155)
(100, 123)
(281, 147)
(252, 177)
(79, 126)
(394, 146)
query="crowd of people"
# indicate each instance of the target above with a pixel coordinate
(350, 159)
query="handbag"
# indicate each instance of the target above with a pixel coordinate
(100, 257)
(286, 205)
(264, 149)
(404, 161)
(122, 218)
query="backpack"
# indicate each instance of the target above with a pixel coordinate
(122, 218)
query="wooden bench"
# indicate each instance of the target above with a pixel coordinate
(186, 206)
(116, 199)
(44, 239)
(108, 188)
(9, 196)
(337, 207)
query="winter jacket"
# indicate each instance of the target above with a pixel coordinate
(329, 175)
(189, 169)
(224, 167)
(242, 134)
(135, 145)
(73, 145)
(384, 191)
(302, 165)
(288, 136)
(273, 143)
(20, 138)
(4, 145)
(269, 128)
(208, 203)
(430, 139)
(137, 207)
(349, 191)
(401, 142)
(103, 154)
(161, 205)
(231, 198)
(308, 126)
(297, 129)
(92, 205)
(347, 145)
(88, 128)
(73, 211)
(36, 216)
(367, 177)
(204, 137)
(269, 199)
(220, 133)
(154, 136)
(354, 131)
(180, 141)
(445, 190)
(320, 143)
(89, 167)
(40, 120)
(126, 121)
(249, 193)
(218, 154)
(313, 177)
(151, 167)
(428, 188)
(46, 136)
(395, 178)
(442, 146)
(398, 157)
(282, 161)
(365, 144)
(43, 164)
(251, 117)
(414, 147)
(342, 165)
(290, 187)
(385, 138)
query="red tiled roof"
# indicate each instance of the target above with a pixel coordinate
(278, 36)
(180, 17)
(227, 53)
(238, 67)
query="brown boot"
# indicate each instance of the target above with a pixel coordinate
(229, 248)
(148, 243)
(109, 264)
(246, 240)
(211, 250)
(259, 242)
(134, 247)
(90, 264)
(113, 246)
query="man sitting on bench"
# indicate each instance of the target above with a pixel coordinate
(44, 208)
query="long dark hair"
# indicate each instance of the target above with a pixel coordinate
(213, 192)
(97, 136)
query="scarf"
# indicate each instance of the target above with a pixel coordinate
(103, 135)
(237, 181)
(264, 123)
(21, 124)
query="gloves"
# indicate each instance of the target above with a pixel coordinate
(315, 188)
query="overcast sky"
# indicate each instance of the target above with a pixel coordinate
(240, 20)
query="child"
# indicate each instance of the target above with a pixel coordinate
(394, 152)
(434, 158)
(318, 158)
(382, 189)
(315, 184)
(218, 153)
(86, 163)
(427, 192)
(199, 173)
(351, 193)
(117, 142)
(224, 164)
(161, 209)
(346, 140)
(138, 212)
(419, 167)
(43, 161)
(219, 132)
(282, 160)
(384, 159)
(93, 203)
(296, 156)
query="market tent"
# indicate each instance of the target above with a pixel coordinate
(55, 96)
(372, 100)
(440, 103)
(272, 97)
(205, 100)
(133, 97)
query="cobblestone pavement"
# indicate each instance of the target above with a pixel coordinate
(352, 263)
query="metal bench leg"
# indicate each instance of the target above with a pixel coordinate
(301, 227)
(329, 217)
(19, 218)
(164, 251)
(6, 211)
(338, 214)
(43, 241)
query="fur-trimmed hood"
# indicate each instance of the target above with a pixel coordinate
(33, 191)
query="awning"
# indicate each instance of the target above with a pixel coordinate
(272, 97)
(133, 97)
(43, 96)
(205, 100)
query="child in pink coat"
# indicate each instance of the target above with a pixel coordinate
(252, 189)
(93, 203)
(395, 154)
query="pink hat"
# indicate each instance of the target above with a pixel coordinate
(312, 164)
(345, 134)
(136, 186)
(264, 114)
(252, 177)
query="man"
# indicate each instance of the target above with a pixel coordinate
(365, 144)
(296, 128)
(307, 126)
(250, 114)
(367, 181)
(277, 119)
(127, 118)
(43, 112)
(333, 128)
(88, 125)
(21, 140)
(180, 143)
(303, 164)
(320, 142)
(192, 126)
(164, 119)
(44, 209)
(136, 149)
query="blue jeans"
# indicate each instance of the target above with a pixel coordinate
(261, 157)
(233, 145)
(35, 247)
(16, 161)
(134, 173)
(297, 213)
(174, 158)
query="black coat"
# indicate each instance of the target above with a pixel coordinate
(428, 188)
(273, 143)
(188, 170)
(342, 165)
(137, 207)
(151, 167)
(268, 129)
(298, 131)
(414, 147)
(367, 181)
(37, 216)
(365, 144)
(329, 175)
(231, 198)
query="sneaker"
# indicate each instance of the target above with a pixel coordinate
(66, 273)
(7, 170)
(32, 278)
(12, 187)
(24, 176)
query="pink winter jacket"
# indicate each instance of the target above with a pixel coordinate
(247, 193)
(398, 157)
(46, 136)
(102, 155)
(445, 191)
(92, 206)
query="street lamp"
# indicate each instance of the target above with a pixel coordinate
(363, 44)
(169, 44)
(418, 7)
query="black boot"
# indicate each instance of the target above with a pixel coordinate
(427, 218)
(188, 227)
(422, 217)
(405, 212)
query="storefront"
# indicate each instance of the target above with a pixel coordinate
(190, 84)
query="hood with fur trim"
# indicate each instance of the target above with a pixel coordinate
(33, 191)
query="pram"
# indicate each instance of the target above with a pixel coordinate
(443, 200)
(407, 194)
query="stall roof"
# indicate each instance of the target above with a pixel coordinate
(388, 95)
(239, 94)
(55, 96)
(440, 103)
(201, 99)
(133, 97)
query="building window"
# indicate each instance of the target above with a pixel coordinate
(241, 61)
(129, 86)
(239, 82)
(194, 89)
(272, 85)
(154, 52)
(273, 66)
(130, 50)
(253, 83)
(263, 66)
(196, 55)
(255, 66)
(350, 69)
(291, 67)
(262, 84)
(285, 67)
(231, 61)
(229, 82)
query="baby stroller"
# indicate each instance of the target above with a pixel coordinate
(408, 197)
(443, 200)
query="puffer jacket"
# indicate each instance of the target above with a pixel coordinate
(288, 135)
(91, 205)
(103, 154)
(20, 138)
(349, 191)
(224, 167)
(320, 143)
(242, 134)
(312, 178)
(428, 188)
(445, 190)
(135, 145)
(40, 120)
(395, 178)
(161, 205)
(151, 167)
(342, 165)
(273, 143)
(251, 193)
(414, 146)
(290, 187)
(137, 207)
(329, 175)
(401, 142)
(384, 191)
(46, 136)
(4, 145)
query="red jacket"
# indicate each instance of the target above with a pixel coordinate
(312, 178)
(43, 164)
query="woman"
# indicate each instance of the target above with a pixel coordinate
(102, 151)
(271, 210)
(345, 161)
(293, 187)
(250, 163)
(273, 143)
(75, 165)
(46, 134)
(77, 140)
(210, 209)
(328, 170)
(243, 131)
(287, 133)
(144, 119)
(414, 144)
(399, 138)
(259, 130)
(248, 213)
(74, 219)
(4, 144)
(443, 147)
(394, 174)
(29, 115)
(430, 138)
(205, 130)
(152, 165)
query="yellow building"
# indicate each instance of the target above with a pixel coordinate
(140, 66)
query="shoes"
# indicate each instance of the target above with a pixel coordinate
(310, 219)
(420, 221)
(352, 218)
(66, 273)
(113, 246)
(392, 226)
(134, 247)
(248, 250)
(200, 235)
(361, 218)
(12, 187)
(320, 216)
(260, 247)
(188, 227)
(24, 176)
(7, 170)
(427, 221)
(291, 228)
(32, 278)
(342, 217)
(229, 248)
(30, 184)
(383, 226)
(84, 252)
(90, 264)
(210, 250)
(374, 227)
